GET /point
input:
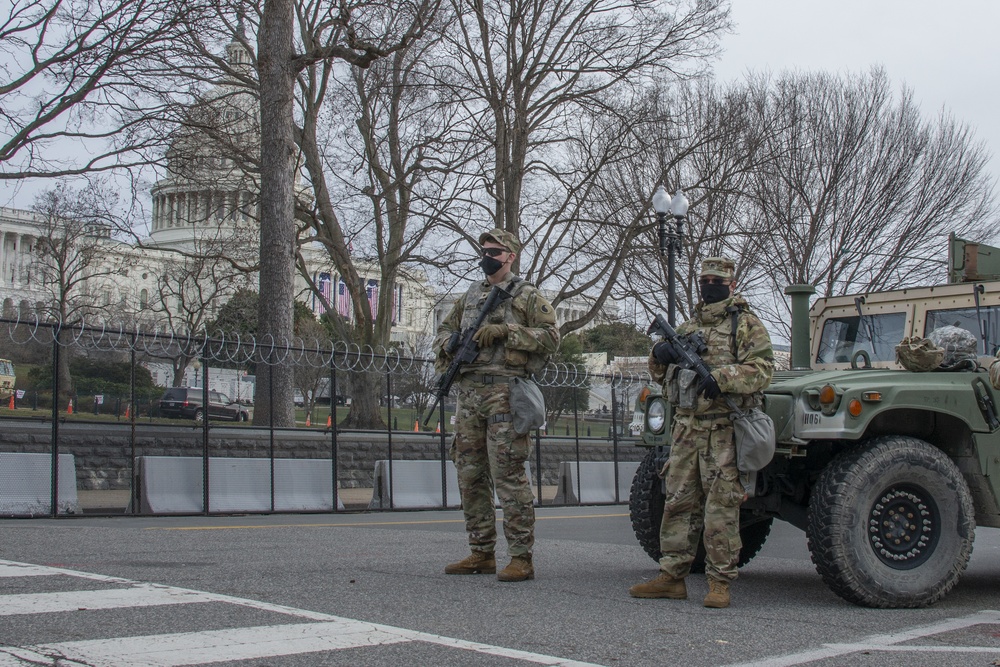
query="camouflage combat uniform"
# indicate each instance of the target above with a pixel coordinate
(486, 451)
(703, 486)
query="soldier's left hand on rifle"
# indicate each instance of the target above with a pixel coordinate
(489, 334)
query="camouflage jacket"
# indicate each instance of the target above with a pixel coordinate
(532, 332)
(742, 376)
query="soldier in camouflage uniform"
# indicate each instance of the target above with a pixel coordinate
(516, 341)
(703, 489)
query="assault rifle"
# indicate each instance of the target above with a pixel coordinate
(687, 350)
(464, 347)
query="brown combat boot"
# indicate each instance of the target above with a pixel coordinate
(519, 569)
(479, 562)
(718, 594)
(664, 586)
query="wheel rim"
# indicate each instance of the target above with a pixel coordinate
(903, 526)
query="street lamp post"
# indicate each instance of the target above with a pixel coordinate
(670, 238)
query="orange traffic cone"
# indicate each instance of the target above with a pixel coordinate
(308, 421)
(438, 429)
(12, 401)
(69, 408)
(128, 412)
(329, 421)
(416, 427)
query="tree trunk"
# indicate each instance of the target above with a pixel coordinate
(277, 228)
(366, 390)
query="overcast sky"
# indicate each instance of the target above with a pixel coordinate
(948, 53)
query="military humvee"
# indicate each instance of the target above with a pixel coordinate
(887, 471)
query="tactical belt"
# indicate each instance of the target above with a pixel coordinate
(488, 379)
(712, 415)
(505, 417)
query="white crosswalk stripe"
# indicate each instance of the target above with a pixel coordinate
(322, 632)
(138, 596)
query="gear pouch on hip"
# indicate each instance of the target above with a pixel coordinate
(670, 382)
(687, 389)
(527, 405)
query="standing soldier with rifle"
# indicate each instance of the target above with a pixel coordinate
(703, 489)
(515, 341)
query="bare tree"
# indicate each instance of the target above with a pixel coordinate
(86, 73)
(357, 33)
(310, 371)
(75, 262)
(831, 181)
(550, 97)
(386, 121)
(857, 191)
(190, 290)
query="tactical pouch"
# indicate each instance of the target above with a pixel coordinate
(755, 442)
(687, 389)
(527, 405)
(670, 380)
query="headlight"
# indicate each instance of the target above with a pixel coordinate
(656, 415)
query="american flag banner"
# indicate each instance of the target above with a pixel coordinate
(372, 291)
(343, 299)
(324, 285)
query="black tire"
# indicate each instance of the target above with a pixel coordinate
(859, 528)
(199, 416)
(645, 506)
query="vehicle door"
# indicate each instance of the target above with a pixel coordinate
(227, 409)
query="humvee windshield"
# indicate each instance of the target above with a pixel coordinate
(967, 319)
(878, 335)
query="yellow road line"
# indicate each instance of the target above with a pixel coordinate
(372, 523)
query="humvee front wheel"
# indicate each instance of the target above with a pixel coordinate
(645, 504)
(891, 524)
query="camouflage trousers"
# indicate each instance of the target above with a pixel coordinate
(489, 456)
(703, 492)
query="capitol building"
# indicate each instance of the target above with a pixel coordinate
(202, 244)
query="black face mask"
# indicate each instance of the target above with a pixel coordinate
(711, 293)
(490, 265)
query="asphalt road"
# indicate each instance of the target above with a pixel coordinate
(368, 589)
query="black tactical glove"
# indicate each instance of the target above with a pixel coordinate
(709, 388)
(665, 353)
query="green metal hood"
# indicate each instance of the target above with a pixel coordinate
(792, 400)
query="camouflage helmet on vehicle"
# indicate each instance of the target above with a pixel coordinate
(959, 348)
(919, 354)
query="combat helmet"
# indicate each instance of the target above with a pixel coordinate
(959, 348)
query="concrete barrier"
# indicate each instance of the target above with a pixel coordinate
(26, 484)
(414, 484)
(173, 485)
(418, 485)
(596, 481)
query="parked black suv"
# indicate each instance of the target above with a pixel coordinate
(187, 403)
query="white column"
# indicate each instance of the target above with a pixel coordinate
(4, 274)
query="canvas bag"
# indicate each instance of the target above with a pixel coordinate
(755, 439)
(527, 405)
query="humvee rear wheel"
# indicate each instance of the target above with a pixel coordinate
(891, 524)
(645, 506)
